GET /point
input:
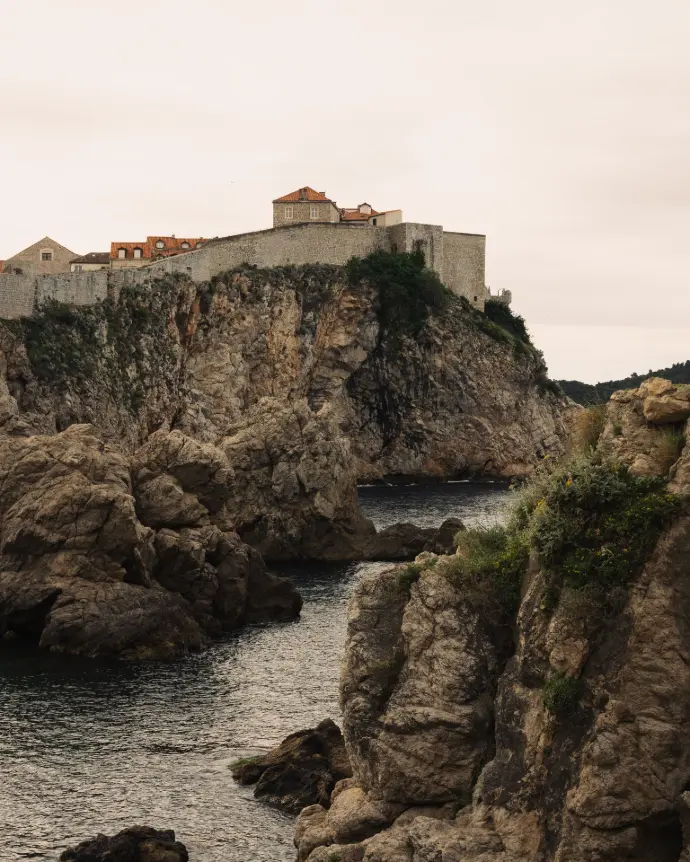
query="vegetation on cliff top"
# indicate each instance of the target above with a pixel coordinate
(599, 393)
(407, 291)
(113, 345)
(594, 523)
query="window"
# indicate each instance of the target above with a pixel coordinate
(199, 244)
(77, 267)
(160, 244)
(313, 212)
(476, 298)
(373, 221)
(289, 213)
(138, 252)
(185, 245)
(46, 255)
(122, 253)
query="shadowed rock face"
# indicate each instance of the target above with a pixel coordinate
(86, 565)
(301, 771)
(605, 779)
(137, 844)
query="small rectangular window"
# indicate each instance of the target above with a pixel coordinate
(46, 255)
(313, 212)
(289, 213)
(77, 267)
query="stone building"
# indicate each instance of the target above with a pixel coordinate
(45, 257)
(91, 262)
(129, 254)
(307, 206)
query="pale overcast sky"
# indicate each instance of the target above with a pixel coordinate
(559, 129)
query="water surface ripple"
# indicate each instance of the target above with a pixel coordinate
(89, 747)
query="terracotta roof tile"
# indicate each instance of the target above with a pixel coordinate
(356, 215)
(304, 194)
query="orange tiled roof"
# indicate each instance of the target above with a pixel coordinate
(172, 245)
(356, 215)
(304, 194)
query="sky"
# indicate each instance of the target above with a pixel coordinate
(560, 130)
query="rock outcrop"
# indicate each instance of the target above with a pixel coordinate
(301, 771)
(97, 563)
(574, 749)
(137, 844)
(218, 360)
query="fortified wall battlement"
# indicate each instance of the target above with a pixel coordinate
(21, 295)
(458, 258)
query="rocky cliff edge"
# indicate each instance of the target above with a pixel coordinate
(526, 699)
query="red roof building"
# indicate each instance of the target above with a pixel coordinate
(306, 205)
(125, 254)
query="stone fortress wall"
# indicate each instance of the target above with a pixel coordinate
(458, 259)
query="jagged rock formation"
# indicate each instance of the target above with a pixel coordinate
(575, 749)
(301, 771)
(97, 563)
(462, 396)
(137, 844)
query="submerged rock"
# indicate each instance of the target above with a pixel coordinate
(136, 844)
(301, 771)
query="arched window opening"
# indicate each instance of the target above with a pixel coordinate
(138, 252)
(184, 245)
(122, 253)
(160, 244)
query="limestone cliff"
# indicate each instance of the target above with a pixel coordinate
(572, 745)
(460, 396)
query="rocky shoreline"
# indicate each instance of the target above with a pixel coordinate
(159, 449)
(566, 740)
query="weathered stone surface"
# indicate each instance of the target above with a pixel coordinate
(631, 438)
(453, 401)
(79, 572)
(137, 844)
(416, 689)
(604, 779)
(663, 402)
(301, 771)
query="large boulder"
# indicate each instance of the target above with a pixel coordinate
(136, 844)
(417, 688)
(663, 402)
(301, 771)
(81, 573)
(294, 492)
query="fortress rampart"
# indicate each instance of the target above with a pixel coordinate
(458, 258)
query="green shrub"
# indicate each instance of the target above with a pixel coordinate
(501, 314)
(407, 290)
(408, 575)
(671, 447)
(489, 567)
(590, 426)
(561, 694)
(111, 346)
(597, 523)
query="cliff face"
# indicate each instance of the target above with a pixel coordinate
(575, 747)
(462, 396)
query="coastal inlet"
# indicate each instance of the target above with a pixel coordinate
(90, 746)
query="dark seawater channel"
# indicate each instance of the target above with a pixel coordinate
(88, 747)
